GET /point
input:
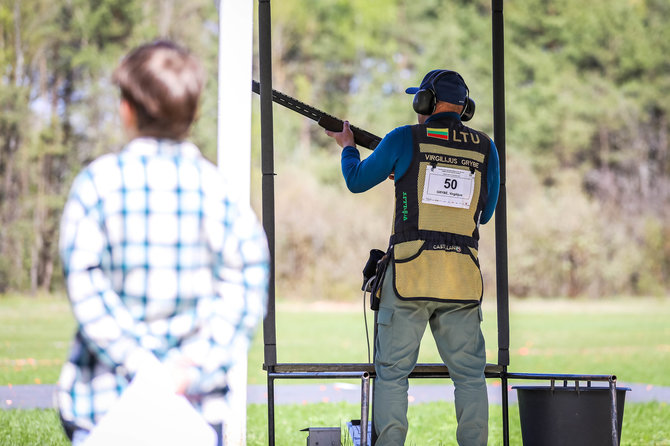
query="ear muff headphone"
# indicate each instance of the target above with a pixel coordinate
(425, 99)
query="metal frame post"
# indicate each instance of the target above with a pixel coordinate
(366, 371)
(268, 217)
(318, 374)
(502, 285)
(501, 209)
(365, 401)
(268, 192)
(614, 411)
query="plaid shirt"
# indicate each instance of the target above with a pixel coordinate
(158, 257)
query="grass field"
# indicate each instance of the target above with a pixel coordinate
(35, 333)
(430, 424)
(626, 337)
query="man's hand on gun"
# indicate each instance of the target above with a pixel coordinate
(345, 137)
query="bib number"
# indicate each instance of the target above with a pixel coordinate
(446, 186)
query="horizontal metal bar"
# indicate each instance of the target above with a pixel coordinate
(323, 367)
(312, 369)
(420, 371)
(565, 377)
(317, 375)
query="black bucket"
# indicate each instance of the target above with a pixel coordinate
(568, 416)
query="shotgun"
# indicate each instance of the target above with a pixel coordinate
(328, 122)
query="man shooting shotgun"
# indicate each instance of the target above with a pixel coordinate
(446, 184)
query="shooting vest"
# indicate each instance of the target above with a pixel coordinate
(438, 203)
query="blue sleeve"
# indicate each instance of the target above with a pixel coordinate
(493, 183)
(392, 155)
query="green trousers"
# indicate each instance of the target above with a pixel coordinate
(456, 329)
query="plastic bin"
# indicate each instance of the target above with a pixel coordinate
(568, 415)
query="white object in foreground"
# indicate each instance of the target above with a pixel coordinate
(149, 412)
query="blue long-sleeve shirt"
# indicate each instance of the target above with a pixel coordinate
(394, 155)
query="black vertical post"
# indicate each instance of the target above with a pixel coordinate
(502, 285)
(365, 401)
(501, 209)
(268, 191)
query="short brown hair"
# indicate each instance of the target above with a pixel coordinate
(162, 82)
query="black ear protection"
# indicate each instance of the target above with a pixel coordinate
(425, 99)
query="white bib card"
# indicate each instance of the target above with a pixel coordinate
(446, 186)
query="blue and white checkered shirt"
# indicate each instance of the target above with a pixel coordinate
(158, 257)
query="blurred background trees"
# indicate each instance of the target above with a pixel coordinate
(588, 92)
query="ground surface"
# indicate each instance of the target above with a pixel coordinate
(42, 396)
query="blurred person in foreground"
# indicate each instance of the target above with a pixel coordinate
(160, 258)
(446, 184)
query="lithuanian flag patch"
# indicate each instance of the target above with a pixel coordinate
(438, 133)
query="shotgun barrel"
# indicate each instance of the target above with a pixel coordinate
(328, 122)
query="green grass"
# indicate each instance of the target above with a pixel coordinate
(35, 334)
(31, 428)
(435, 423)
(430, 424)
(626, 337)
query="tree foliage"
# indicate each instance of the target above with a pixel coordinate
(587, 120)
(57, 105)
(587, 88)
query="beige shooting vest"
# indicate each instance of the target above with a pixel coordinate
(438, 202)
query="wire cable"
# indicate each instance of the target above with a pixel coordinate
(365, 319)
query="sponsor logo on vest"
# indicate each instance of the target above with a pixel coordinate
(404, 206)
(444, 247)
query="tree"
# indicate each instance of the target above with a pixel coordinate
(587, 95)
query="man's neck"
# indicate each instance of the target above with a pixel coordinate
(442, 107)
